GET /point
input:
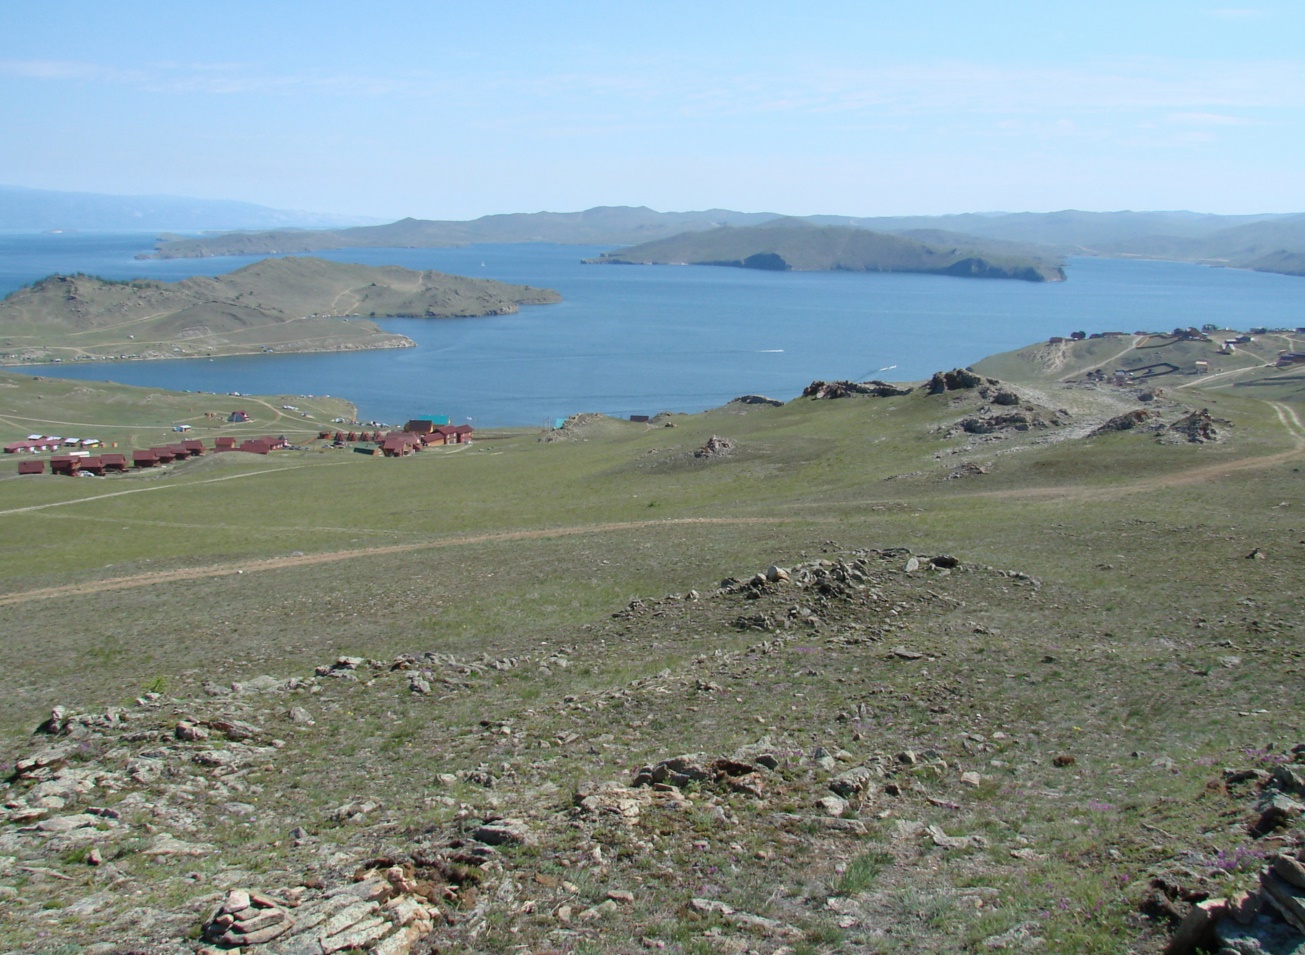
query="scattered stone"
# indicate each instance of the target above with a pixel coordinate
(500, 832)
(1290, 870)
(944, 841)
(832, 805)
(1287, 899)
(189, 732)
(906, 654)
(854, 782)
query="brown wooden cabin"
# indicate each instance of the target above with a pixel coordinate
(194, 446)
(144, 458)
(94, 464)
(224, 443)
(65, 464)
(114, 462)
(31, 467)
(398, 444)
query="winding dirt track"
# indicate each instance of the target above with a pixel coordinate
(304, 560)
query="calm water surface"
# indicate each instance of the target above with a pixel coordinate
(643, 339)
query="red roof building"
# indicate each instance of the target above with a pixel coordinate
(144, 458)
(31, 467)
(65, 464)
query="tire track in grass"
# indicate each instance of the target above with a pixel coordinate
(308, 560)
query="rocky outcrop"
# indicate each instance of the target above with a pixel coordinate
(715, 447)
(849, 389)
(1124, 422)
(958, 379)
(1197, 427)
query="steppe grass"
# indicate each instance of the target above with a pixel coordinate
(1119, 653)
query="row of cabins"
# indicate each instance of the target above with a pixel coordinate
(38, 443)
(422, 433)
(99, 465)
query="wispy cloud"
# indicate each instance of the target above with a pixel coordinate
(1236, 13)
(1209, 119)
(65, 70)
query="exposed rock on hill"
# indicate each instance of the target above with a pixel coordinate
(849, 389)
(715, 447)
(1125, 422)
(757, 400)
(958, 379)
(1197, 427)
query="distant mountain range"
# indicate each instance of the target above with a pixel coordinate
(45, 210)
(1270, 242)
(1267, 242)
(796, 244)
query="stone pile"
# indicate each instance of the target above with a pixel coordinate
(716, 446)
(1269, 919)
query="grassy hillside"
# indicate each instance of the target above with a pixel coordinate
(987, 704)
(793, 244)
(289, 304)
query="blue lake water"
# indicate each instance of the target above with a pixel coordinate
(643, 339)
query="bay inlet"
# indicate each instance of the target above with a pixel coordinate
(644, 339)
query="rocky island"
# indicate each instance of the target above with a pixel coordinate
(283, 305)
(796, 245)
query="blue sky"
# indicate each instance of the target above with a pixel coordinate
(454, 110)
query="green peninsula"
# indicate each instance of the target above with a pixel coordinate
(791, 244)
(282, 305)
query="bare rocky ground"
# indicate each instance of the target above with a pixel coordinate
(864, 750)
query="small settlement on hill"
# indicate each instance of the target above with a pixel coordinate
(416, 435)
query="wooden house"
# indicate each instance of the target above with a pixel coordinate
(31, 467)
(65, 464)
(224, 443)
(144, 458)
(94, 464)
(164, 455)
(114, 462)
(194, 446)
(399, 444)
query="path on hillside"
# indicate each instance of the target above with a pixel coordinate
(1287, 417)
(156, 487)
(304, 560)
